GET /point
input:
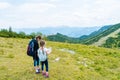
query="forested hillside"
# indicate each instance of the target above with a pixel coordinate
(105, 36)
(102, 29)
(113, 42)
(12, 34)
(86, 39)
(99, 36)
(62, 38)
(9, 33)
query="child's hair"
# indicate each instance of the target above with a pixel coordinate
(42, 43)
(38, 37)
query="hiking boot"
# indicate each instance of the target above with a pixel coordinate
(37, 71)
(46, 75)
(43, 73)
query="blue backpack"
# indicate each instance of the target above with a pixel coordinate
(30, 48)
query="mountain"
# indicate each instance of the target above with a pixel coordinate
(63, 38)
(102, 37)
(65, 30)
(113, 42)
(96, 32)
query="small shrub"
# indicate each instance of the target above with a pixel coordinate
(118, 77)
(98, 68)
(10, 56)
(1, 52)
(113, 66)
(10, 46)
(82, 68)
(3, 68)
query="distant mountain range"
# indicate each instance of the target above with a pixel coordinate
(96, 32)
(83, 39)
(65, 30)
(107, 36)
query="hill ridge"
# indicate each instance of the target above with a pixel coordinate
(103, 39)
(96, 38)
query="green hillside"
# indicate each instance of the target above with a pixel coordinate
(102, 29)
(113, 42)
(62, 38)
(87, 62)
(96, 38)
(103, 40)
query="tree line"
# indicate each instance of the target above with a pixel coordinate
(11, 34)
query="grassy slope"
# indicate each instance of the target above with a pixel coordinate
(89, 62)
(103, 39)
(94, 39)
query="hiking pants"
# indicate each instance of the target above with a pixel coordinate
(46, 65)
(36, 62)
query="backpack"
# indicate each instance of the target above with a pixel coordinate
(42, 54)
(30, 48)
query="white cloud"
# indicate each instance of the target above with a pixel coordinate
(4, 5)
(27, 15)
(60, 12)
(35, 7)
(100, 12)
(54, 0)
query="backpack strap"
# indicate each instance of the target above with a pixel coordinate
(43, 51)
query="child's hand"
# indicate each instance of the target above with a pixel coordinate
(49, 50)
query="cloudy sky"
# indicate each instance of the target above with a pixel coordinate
(42, 13)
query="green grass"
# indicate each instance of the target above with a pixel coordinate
(88, 62)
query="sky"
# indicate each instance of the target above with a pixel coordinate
(56, 13)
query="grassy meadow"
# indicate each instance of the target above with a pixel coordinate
(87, 63)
